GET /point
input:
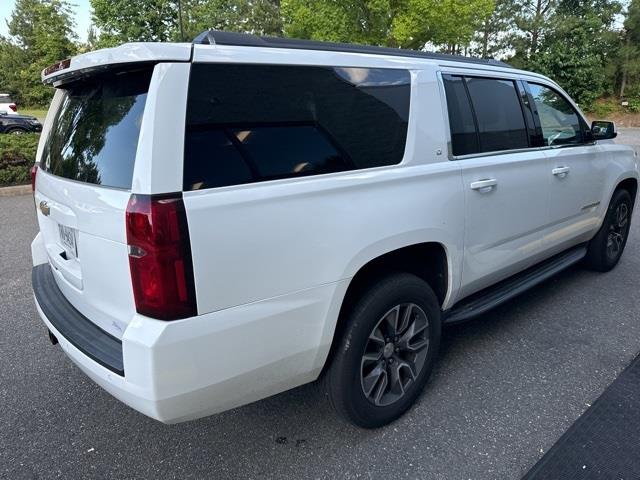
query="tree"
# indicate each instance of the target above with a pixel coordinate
(358, 21)
(629, 54)
(445, 23)
(531, 21)
(493, 36)
(396, 23)
(122, 21)
(260, 17)
(41, 33)
(576, 47)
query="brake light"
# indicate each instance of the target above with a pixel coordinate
(34, 172)
(13, 107)
(160, 256)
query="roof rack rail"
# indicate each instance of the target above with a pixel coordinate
(217, 37)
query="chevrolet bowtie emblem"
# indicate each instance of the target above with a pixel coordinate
(44, 208)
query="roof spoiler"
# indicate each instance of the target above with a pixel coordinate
(217, 37)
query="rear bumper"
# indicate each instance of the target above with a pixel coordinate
(186, 369)
(79, 331)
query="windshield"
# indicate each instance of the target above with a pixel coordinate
(94, 134)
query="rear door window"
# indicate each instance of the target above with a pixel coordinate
(485, 115)
(498, 113)
(94, 134)
(248, 123)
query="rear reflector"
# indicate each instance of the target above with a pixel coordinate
(160, 256)
(34, 173)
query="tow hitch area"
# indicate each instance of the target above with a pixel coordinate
(52, 338)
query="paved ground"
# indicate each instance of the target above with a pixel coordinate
(507, 386)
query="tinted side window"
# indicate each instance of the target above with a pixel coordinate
(499, 115)
(464, 137)
(248, 123)
(560, 122)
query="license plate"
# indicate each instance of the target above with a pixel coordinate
(68, 240)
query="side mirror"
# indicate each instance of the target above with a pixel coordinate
(603, 130)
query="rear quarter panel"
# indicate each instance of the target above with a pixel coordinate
(258, 241)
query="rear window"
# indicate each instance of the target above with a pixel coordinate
(248, 123)
(6, 99)
(94, 134)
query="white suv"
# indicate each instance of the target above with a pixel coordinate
(7, 105)
(310, 210)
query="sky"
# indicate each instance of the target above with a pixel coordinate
(81, 10)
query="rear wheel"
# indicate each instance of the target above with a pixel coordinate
(606, 248)
(387, 352)
(16, 131)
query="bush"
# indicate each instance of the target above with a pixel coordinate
(17, 154)
(634, 105)
(603, 108)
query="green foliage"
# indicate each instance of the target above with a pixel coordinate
(576, 47)
(603, 108)
(448, 23)
(634, 105)
(492, 38)
(17, 155)
(402, 23)
(41, 34)
(261, 17)
(362, 21)
(122, 21)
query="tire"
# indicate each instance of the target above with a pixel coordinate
(605, 249)
(16, 131)
(371, 318)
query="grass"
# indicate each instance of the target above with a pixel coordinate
(611, 109)
(39, 113)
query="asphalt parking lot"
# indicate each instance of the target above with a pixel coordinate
(507, 386)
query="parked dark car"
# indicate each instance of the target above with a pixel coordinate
(19, 124)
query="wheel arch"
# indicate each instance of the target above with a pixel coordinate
(630, 184)
(430, 261)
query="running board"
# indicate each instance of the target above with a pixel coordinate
(491, 297)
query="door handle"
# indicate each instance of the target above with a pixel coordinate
(485, 185)
(561, 171)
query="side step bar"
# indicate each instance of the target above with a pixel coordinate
(491, 297)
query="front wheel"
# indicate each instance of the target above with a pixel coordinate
(605, 249)
(386, 355)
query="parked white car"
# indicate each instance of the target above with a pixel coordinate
(225, 220)
(7, 105)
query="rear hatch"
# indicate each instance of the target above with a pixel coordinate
(83, 186)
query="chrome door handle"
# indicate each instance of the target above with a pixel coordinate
(561, 171)
(484, 185)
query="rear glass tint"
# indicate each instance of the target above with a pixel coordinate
(5, 99)
(464, 137)
(94, 134)
(248, 123)
(498, 113)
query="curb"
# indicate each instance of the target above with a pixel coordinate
(15, 191)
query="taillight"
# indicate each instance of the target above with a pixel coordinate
(160, 256)
(13, 107)
(34, 172)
